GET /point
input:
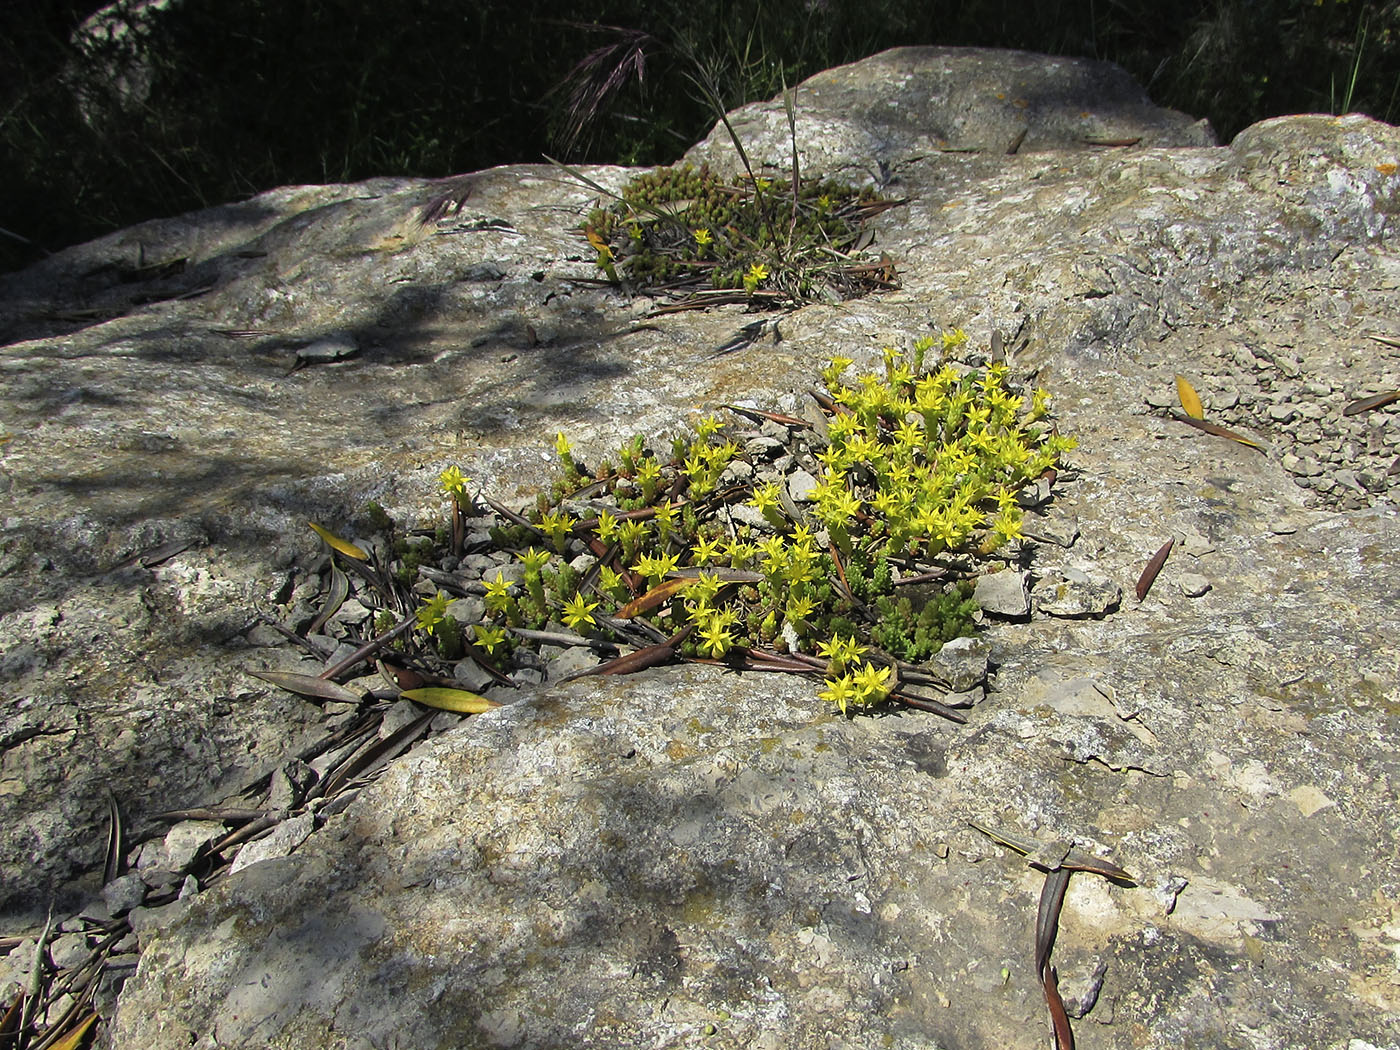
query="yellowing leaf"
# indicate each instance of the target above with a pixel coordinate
(654, 597)
(1190, 401)
(458, 700)
(595, 238)
(1217, 430)
(345, 547)
(75, 1037)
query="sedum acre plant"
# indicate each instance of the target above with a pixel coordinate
(861, 580)
(758, 240)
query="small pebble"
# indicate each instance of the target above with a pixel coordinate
(1003, 593)
(1193, 584)
(800, 486)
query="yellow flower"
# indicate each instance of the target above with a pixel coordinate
(841, 652)
(702, 237)
(432, 612)
(534, 560)
(705, 551)
(489, 637)
(765, 496)
(870, 683)
(578, 612)
(606, 527)
(840, 692)
(454, 483)
(715, 637)
(758, 273)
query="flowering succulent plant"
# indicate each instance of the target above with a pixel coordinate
(917, 480)
(765, 240)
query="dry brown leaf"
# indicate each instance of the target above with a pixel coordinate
(400, 677)
(1149, 574)
(1217, 430)
(638, 659)
(340, 590)
(116, 841)
(654, 597)
(1366, 404)
(310, 685)
(9, 1023)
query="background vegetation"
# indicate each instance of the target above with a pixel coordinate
(237, 96)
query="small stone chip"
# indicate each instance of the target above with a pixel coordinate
(1193, 584)
(1003, 593)
(800, 485)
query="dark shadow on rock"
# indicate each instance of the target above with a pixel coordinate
(91, 284)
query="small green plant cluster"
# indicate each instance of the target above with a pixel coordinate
(683, 227)
(915, 634)
(919, 474)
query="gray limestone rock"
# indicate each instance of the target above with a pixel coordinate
(1193, 584)
(285, 837)
(1003, 593)
(640, 861)
(799, 485)
(955, 99)
(68, 950)
(962, 663)
(1068, 591)
(124, 893)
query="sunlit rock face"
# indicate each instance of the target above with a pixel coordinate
(690, 856)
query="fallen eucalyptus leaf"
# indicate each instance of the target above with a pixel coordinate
(400, 677)
(654, 597)
(639, 659)
(74, 1038)
(115, 863)
(1190, 400)
(458, 700)
(1149, 574)
(310, 685)
(9, 1022)
(1366, 404)
(340, 590)
(1217, 430)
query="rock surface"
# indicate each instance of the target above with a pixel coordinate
(689, 857)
